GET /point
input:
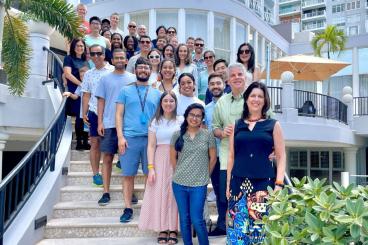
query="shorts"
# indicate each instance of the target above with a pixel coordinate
(93, 124)
(109, 142)
(135, 153)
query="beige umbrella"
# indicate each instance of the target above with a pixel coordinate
(304, 67)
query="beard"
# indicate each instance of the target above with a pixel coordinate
(217, 93)
(142, 78)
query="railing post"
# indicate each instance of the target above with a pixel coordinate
(53, 147)
(289, 112)
(2, 213)
(345, 179)
(347, 98)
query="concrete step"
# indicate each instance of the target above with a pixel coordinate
(84, 155)
(92, 193)
(84, 166)
(85, 178)
(119, 241)
(85, 209)
(96, 227)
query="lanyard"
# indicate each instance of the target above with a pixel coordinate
(143, 103)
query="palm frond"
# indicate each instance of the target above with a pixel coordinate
(57, 13)
(16, 53)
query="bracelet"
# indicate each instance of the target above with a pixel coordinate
(151, 166)
(279, 182)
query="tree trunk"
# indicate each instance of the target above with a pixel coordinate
(2, 15)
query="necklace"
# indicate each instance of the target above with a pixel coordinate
(254, 120)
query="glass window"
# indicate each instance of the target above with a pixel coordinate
(336, 85)
(140, 18)
(303, 159)
(167, 18)
(363, 57)
(363, 85)
(259, 52)
(325, 162)
(294, 159)
(222, 37)
(196, 25)
(337, 160)
(241, 34)
(314, 159)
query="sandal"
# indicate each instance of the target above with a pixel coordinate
(173, 239)
(162, 239)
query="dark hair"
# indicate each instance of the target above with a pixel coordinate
(160, 112)
(199, 39)
(168, 45)
(213, 75)
(73, 44)
(162, 64)
(142, 61)
(105, 20)
(246, 94)
(94, 18)
(171, 27)
(218, 62)
(179, 144)
(188, 59)
(135, 41)
(186, 74)
(102, 33)
(154, 50)
(209, 51)
(97, 46)
(144, 36)
(251, 62)
(118, 50)
(158, 29)
(121, 38)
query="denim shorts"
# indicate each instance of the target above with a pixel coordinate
(93, 124)
(109, 142)
(135, 153)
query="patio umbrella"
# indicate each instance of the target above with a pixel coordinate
(304, 67)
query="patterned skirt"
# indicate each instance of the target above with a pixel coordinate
(247, 204)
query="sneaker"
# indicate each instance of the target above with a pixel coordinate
(217, 233)
(211, 196)
(134, 199)
(104, 200)
(127, 215)
(97, 180)
(118, 164)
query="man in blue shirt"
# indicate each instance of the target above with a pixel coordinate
(216, 86)
(135, 107)
(106, 92)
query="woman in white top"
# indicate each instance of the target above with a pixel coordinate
(246, 56)
(186, 95)
(167, 74)
(154, 57)
(184, 63)
(159, 211)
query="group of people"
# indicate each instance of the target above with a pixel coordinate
(186, 118)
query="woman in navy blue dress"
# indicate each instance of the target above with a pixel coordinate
(249, 170)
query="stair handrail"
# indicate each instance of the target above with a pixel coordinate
(27, 174)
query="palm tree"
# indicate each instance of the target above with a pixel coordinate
(15, 44)
(333, 37)
(335, 40)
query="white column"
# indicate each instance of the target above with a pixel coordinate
(351, 162)
(126, 22)
(233, 40)
(152, 23)
(263, 53)
(3, 139)
(181, 26)
(289, 112)
(39, 37)
(355, 66)
(210, 30)
(280, 53)
(247, 27)
(276, 13)
(255, 38)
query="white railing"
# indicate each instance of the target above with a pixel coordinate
(314, 14)
(307, 3)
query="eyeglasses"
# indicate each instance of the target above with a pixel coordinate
(119, 58)
(154, 56)
(246, 51)
(199, 44)
(208, 57)
(98, 54)
(132, 26)
(194, 116)
(145, 42)
(171, 32)
(139, 67)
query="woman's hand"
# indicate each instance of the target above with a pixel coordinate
(277, 188)
(151, 176)
(228, 192)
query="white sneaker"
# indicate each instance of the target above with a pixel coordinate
(211, 197)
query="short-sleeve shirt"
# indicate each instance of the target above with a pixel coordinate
(129, 97)
(184, 102)
(108, 89)
(164, 129)
(75, 64)
(90, 82)
(209, 108)
(90, 40)
(192, 167)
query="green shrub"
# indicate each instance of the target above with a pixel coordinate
(311, 212)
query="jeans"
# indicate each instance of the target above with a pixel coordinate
(218, 179)
(190, 201)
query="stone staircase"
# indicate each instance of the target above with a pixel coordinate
(78, 219)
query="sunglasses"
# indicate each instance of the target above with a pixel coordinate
(131, 26)
(154, 56)
(145, 42)
(95, 54)
(171, 32)
(208, 57)
(199, 44)
(246, 51)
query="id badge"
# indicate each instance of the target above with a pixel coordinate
(143, 118)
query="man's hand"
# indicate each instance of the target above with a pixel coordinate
(122, 144)
(86, 120)
(228, 130)
(100, 129)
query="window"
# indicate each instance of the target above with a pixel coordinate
(353, 30)
(140, 18)
(348, 6)
(241, 34)
(167, 18)
(196, 25)
(222, 37)
(338, 8)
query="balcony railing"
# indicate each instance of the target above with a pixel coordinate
(289, 10)
(314, 14)
(317, 25)
(17, 187)
(360, 106)
(275, 97)
(308, 3)
(319, 105)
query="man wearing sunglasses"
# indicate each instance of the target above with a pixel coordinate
(89, 106)
(198, 55)
(132, 28)
(145, 47)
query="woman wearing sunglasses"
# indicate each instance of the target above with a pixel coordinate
(246, 56)
(154, 57)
